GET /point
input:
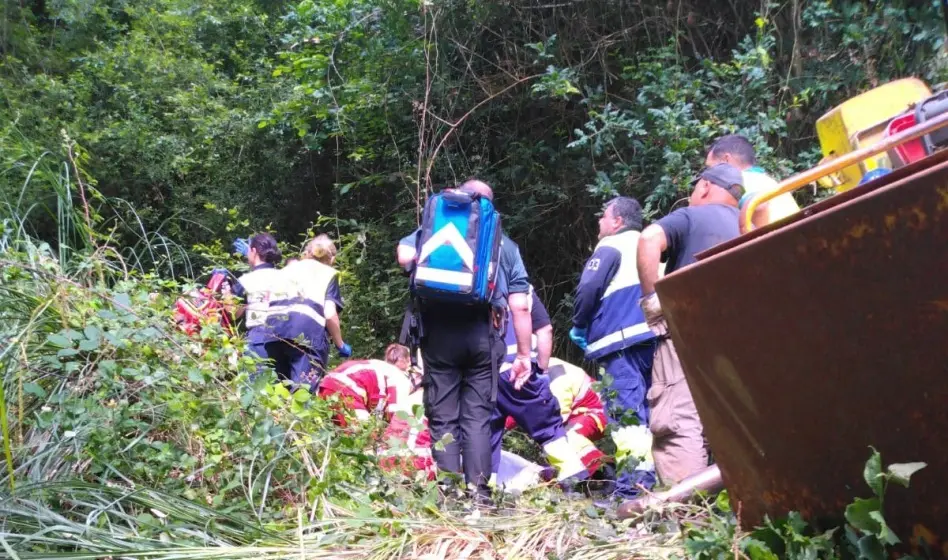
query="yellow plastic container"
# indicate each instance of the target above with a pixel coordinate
(861, 121)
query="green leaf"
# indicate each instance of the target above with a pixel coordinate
(89, 345)
(34, 389)
(872, 473)
(858, 514)
(67, 352)
(92, 333)
(758, 550)
(902, 472)
(871, 549)
(195, 376)
(123, 300)
(59, 341)
(301, 396)
(885, 534)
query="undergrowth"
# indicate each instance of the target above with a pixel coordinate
(124, 438)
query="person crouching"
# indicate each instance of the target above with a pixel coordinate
(386, 388)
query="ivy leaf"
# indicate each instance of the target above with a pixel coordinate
(859, 515)
(123, 300)
(902, 472)
(872, 473)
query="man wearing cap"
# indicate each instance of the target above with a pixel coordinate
(678, 446)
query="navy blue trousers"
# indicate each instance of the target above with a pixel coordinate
(290, 361)
(534, 408)
(631, 372)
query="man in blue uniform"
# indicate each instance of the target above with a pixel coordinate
(607, 322)
(462, 347)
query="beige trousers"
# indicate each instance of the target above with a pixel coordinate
(678, 445)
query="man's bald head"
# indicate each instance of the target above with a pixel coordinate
(479, 187)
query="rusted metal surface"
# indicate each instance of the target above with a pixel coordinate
(806, 344)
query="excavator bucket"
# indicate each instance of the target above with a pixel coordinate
(808, 341)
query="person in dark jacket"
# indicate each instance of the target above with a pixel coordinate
(462, 347)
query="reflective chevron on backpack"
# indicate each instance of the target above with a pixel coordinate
(458, 249)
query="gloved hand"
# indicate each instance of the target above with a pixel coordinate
(578, 336)
(345, 350)
(241, 247)
(654, 316)
(652, 308)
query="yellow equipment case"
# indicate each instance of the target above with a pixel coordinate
(862, 121)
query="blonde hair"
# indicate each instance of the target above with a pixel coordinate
(396, 352)
(321, 248)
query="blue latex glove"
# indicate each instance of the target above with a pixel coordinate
(241, 247)
(578, 336)
(345, 350)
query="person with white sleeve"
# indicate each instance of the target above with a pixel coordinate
(607, 322)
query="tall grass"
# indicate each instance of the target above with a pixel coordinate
(293, 487)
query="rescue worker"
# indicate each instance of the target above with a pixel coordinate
(323, 250)
(607, 323)
(462, 347)
(386, 387)
(307, 314)
(678, 445)
(255, 290)
(580, 409)
(533, 405)
(738, 151)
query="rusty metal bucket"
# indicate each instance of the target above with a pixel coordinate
(806, 342)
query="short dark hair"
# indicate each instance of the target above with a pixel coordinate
(629, 210)
(266, 247)
(737, 146)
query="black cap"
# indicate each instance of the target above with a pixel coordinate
(726, 176)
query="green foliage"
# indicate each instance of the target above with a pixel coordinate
(867, 536)
(289, 112)
(138, 138)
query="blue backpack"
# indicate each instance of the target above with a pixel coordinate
(458, 248)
